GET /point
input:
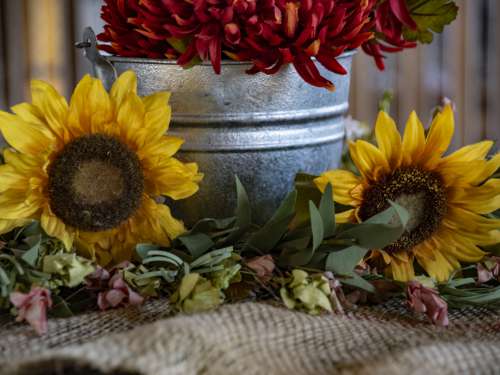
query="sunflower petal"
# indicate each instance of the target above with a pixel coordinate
(23, 136)
(440, 136)
(413, 140)
(52, 105)
(388, 139)
(477, 151)
(482, 199)
(123, 86)
(439, 268)
(368, 159)
(54, 227)
(343, 182)
(402, 270)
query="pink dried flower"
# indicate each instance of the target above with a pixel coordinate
(118, 294)
(427, 301)
(263, 266)
(114, 291)
(98, 280)
(32, 307)
(488, 270)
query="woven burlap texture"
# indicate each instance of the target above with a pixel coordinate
(253, 338)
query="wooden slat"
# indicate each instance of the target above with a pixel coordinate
(493, 72)
(3, 83)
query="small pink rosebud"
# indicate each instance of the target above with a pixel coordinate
(263, 266)
(427, 301)
(32, 307)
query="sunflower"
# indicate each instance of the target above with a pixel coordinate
(94, 172)
(448, 197)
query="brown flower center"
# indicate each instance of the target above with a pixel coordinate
(421, 192)
(95, 183)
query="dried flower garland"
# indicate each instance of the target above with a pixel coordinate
(313, 255)
(270, 33)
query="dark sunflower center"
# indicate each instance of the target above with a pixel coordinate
(95, 183)
(420, 192)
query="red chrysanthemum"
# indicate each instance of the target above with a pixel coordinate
(268, 33)
(128, 36)
(391, 16)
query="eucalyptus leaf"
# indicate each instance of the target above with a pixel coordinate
(197, 243)
(243, 213)
(358, 282)
(318, 230)
(379, 231)
(345, 261)
(327, 211)
(272, 232)
(306, 191)
(143, 249)
(31, 256)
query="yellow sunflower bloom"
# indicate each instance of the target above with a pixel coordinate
(447, 196)
(93, 171)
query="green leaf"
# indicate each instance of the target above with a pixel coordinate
(271, 233)
(358, 282)
(327, 211)
(318, 230)
(143, 249)
(306, 191)
(209, 225)
(345, 261)
(180, 45)
(197, 243)
(31, 256)
(378, 231)
(243, 213)
(431, 16)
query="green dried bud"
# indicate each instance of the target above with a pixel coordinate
(197, 294)
(306, 293)
(71, 268)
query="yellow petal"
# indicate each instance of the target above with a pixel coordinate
(15, 205)
(24, 136)
(413, 140)
(173, 227)
(152, 153)
(174, 179)
(388, 139)
(123, 86)
(402, 270)
(368, 159)
(22, 163)
(54, 227)
(345, 217)
(8, 225)
(10, 179)
(53, 107)
(440, 268)
(440, 136)
(29, 113)
(482, 199)
(343, 182)
(130, 119)
(477, 151)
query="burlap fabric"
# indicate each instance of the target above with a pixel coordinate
(255, 338)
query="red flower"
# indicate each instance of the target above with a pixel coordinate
(427, 301)
(391, 16)
(263, 266)
(32, 307)
(269, 33)
(127, 34)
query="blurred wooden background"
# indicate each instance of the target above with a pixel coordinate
(36, 39)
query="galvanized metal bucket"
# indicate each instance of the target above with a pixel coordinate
(262, 128)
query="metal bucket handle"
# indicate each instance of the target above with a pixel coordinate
(101, 67)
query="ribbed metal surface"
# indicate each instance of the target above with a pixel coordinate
(262, 128)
